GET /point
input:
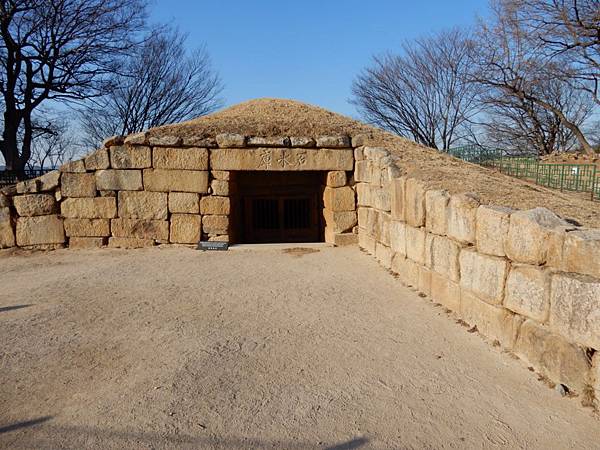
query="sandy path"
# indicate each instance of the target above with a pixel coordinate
(173, 348)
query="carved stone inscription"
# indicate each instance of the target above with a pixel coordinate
(281, 159)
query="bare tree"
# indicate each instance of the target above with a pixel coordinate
(520, 125)
(53, 146)
(423, 94)
(61, 51)
(512, 62)
(162, 84)
(571, 29)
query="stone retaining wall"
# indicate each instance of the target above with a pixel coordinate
(527, 280)
(141, 191)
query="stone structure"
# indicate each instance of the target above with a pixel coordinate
(140, 191)
(527, 280)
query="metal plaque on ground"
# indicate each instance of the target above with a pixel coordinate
(213, 245)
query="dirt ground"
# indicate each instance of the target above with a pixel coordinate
(173, 348)
(278, 117)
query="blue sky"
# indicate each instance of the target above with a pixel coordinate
(305, 50)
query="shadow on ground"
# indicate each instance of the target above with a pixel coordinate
(27, 434)
(10, 308)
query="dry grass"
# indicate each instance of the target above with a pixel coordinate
(275, 117)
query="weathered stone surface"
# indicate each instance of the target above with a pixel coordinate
(383, 227)
(483, 275)
(302, 141)
(137, 139)
(398, 198)
(140, 229)
(415, 244)
(130, 157)
(119, 242)
(98, 160)
(445, 292)
(398, 237)
(334, 141)
(89, 208)
(359, 153)
(165, 141)
(86, 242)
(492, 229)
(581, 252)
(528, 239)
(364, 171)
(374, 196)
(185, 228)
(281, 159)
(376, 154)
(595, 377)
(180, 158)
(46, 182)
(34, 204)
(87, 227)
(261, 141)
(215, 205)
(561, 361)
(40, 230)
(407, 270)
(340, 239)
(339, 221)
(113, 140)
(575, 308)
(220, 188)
(494, 322)
(366, 242)
(231, 140)
(336, 178)
(142, 205)
(339, 199)
(462, 213)
(218, 237)
(200, 141)
(415, 202)
(162, 180)
(73, 166)
(221, 175)
(119, 180)
(215, 224)
(424, 281)
(78, 185)
(184, 203)
(7, 233)
(436, 211)
(444, 257)
(528, 292)
(383, 254)
(360, 139)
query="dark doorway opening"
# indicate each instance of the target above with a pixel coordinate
(275, 207)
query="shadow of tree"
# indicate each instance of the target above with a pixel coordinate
(51, 436)
(10, 308)
(24, 424)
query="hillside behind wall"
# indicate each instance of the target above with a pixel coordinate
(527, 280)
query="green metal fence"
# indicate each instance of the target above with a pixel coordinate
(566, 177)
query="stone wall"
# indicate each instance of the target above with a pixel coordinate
(528, 280)
(139, 191)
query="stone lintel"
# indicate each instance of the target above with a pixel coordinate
(281, 159)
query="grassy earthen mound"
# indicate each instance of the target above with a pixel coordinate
(277, 117)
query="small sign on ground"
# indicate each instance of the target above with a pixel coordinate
(213, 245)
